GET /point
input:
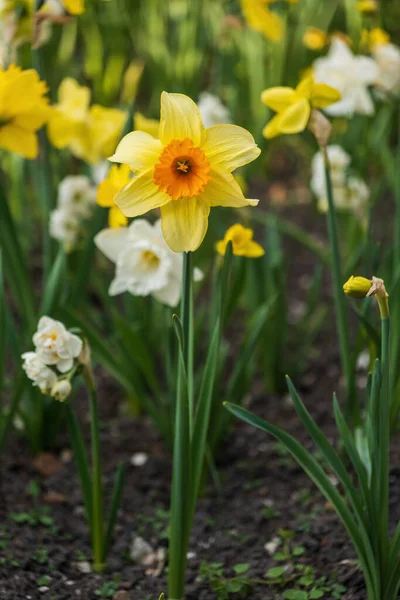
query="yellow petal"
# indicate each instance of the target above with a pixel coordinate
(324, 95)
(16, 139)
(61, 130)
(305, 87)
(141, 123)
(116, 218)
(230, 146)
(184, 223)
(74, 7)
(295, 118)
(271, 129)
(221, 247)
(180, 119)
(139, 150)
(140, 195)
(73, 98)
(223, 190)
(253, 250)
(278, 98)
(106, 193)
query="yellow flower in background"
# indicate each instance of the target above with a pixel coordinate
(294, 105)
(74, 7)
(315, 39)
(367, 6)
(374, 37)
(242, 242)
(141, 123)
(132, 77)
(185, 172)
(117, 178)
(24, 109)
(90, 132)
(260, 18)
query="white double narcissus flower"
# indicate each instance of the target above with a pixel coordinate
(339, 161)
(184, 172)
(55, 345)
(350, 75)
(145, 264)
(212, 111)
(387, 57)
(38, 372)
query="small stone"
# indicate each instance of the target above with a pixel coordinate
(47, 464)
(121, 595)
(54, 498)
(272, 546)
(84, 566)
(139, 459)
(43, 589)
(140, 550)
(191, 555)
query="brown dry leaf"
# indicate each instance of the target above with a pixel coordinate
(47, 464)
(54, 498)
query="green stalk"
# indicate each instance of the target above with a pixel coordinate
(97, 487)
(396, 234)
(341, 318)
(180, 496)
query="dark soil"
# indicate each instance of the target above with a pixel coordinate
(229, 528)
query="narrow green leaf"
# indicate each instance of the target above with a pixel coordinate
(3, 330)
(54, 282)
(114, 506)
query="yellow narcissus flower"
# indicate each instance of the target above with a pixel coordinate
(74, 7)
(141, 123)
(89, 132)
(357, 287)
(294, 105)
(374, 37)
(260, 18)
(23, 110)
(117, 178)
(315, 39)
(242, 242)
(184, 172)
(367, 6)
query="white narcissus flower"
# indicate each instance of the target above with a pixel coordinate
(64, 226)
(339, 161)
(212, 111)
(61, 390)
(55, 345)
(144, 263)
(387, 57)
(41, 375)
(350, 75)
(77, 195)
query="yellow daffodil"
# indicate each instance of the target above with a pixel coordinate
(141, 123)
(23, 110)
(374, 37)
(90, 132)
(315, 39)
(357, 287)
(184, 172)
(117, 178)
(261, 18)
(294, 105)
(74, 7)
(367, 6)
(242, 242)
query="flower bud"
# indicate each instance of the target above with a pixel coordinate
(357, 287)
(61, 390)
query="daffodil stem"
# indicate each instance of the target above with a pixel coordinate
(341, 318)
(180, 523)
(97, 486)
(383, 448)
(396, 257)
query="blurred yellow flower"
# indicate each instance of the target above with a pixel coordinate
(242, 242)
(74, 7)
(24, 109)
(185, 172)
(374, 37)
(367, 6)
(260, 18)
(294, 105)
(117, 178)
(141, 123)
(89, 132)
(315, 39)
(131, 81)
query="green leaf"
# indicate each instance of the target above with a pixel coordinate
(316, 593)
(3, 330)
(241, 568)
(298, 551)
(54, 282)
(295, 595)
(114, 505)
(275, 572)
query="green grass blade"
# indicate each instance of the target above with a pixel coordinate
(3, 331)
(321, 480)
(114, 505)
(54, 282)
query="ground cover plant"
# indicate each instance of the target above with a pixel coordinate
(188, 194)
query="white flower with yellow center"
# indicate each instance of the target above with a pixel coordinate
(38, 372)
(144, 263)
(387, 57)
(77, 195)
(184, 172)
(55, 345)
(350, 75)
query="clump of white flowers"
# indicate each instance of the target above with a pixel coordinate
(54, 361)
(387, 57)
(212, 111)
(144, 263)
(351, 75)
(75, 203)
(350, 192)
